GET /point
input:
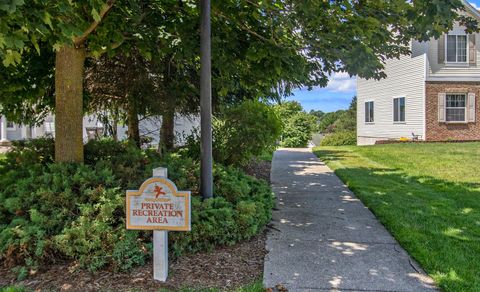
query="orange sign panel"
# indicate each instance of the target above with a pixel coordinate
(158, 205)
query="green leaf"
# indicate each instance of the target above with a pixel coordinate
(95, 15)
(35, 44)
(11, 58)
(47, 19)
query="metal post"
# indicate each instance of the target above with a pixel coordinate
(206, 185)
(4, 129)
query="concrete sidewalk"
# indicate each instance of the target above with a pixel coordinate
(326, 239)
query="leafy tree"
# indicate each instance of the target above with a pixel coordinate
(341, 120)
(328, 120)
(124, 87)
(27, 90)
(75, 30)
(298, 130)
(347, 121)
(287, 109)
(260, 49)
(317, 113)
(244, 131)
(297, 124)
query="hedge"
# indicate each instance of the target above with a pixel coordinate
(52, 212)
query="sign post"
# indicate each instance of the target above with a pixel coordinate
(160, 207)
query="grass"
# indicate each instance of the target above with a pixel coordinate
(256, 286)
(428, 197)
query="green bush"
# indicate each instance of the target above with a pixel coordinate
(297, 124)
(245, 131)
(239, 133)
(340, 139)
(70, 211)
(30, 152)
(298, 130)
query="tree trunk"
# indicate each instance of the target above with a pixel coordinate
(133, 124)
(115, 129)
(167, 131)
(69, 69)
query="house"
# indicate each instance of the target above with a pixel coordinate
(92, 127)
(431, 94)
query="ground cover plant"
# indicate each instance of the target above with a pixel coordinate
(427, 195)
(53, 212)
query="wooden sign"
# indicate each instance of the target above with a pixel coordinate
(158, 205)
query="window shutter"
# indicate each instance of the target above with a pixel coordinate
(472, 51)
(441, 106)
(441, 49)
(471, 108)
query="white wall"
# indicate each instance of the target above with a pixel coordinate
(184, 126)
(405, 78)
(452, 72)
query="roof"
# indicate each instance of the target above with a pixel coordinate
(471, 9)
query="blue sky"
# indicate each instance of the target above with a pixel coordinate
(338, 93)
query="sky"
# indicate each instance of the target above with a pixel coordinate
(338, 93)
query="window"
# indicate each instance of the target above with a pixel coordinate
(369, 112)
(456, 48)
(399, 109)
(10, 125)
(456, 107)
(49, 127)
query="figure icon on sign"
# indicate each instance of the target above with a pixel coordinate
(158, 191)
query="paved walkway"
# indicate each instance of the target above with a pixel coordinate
(326, 239)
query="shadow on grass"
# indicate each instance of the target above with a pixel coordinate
(436, 221)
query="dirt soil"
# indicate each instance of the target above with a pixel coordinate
(259, 169)
(225, 268)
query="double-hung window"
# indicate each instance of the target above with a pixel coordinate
(399, 109)
(456, 107)
(456, 48)
(369, 111)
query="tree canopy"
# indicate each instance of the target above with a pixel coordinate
(260, 49)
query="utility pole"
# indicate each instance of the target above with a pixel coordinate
(206, 172)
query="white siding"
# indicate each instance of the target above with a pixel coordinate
(405, 77)
(184, 126)
(452, 72)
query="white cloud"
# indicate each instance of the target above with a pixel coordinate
(341, 82)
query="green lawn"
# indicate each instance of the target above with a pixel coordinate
(428, 197)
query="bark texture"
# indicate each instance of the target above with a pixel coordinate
(133, 123)
(69, 70)
(167, 131)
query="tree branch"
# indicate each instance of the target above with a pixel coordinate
(78, 41)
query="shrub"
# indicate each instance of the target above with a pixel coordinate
(71, 211)
(244, 131)
(298, 130)
(30, 152)
(297, 124)
(239, 133)
(97, 237)
(340, 139)
(40, 205)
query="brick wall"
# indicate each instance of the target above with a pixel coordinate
(436, 131)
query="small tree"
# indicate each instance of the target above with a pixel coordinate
(75, 30)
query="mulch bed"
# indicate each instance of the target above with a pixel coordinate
(225, 268)
(259, 169)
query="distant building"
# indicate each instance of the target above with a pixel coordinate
(92, 128)
(431, 94)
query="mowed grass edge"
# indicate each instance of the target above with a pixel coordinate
(427, 196)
